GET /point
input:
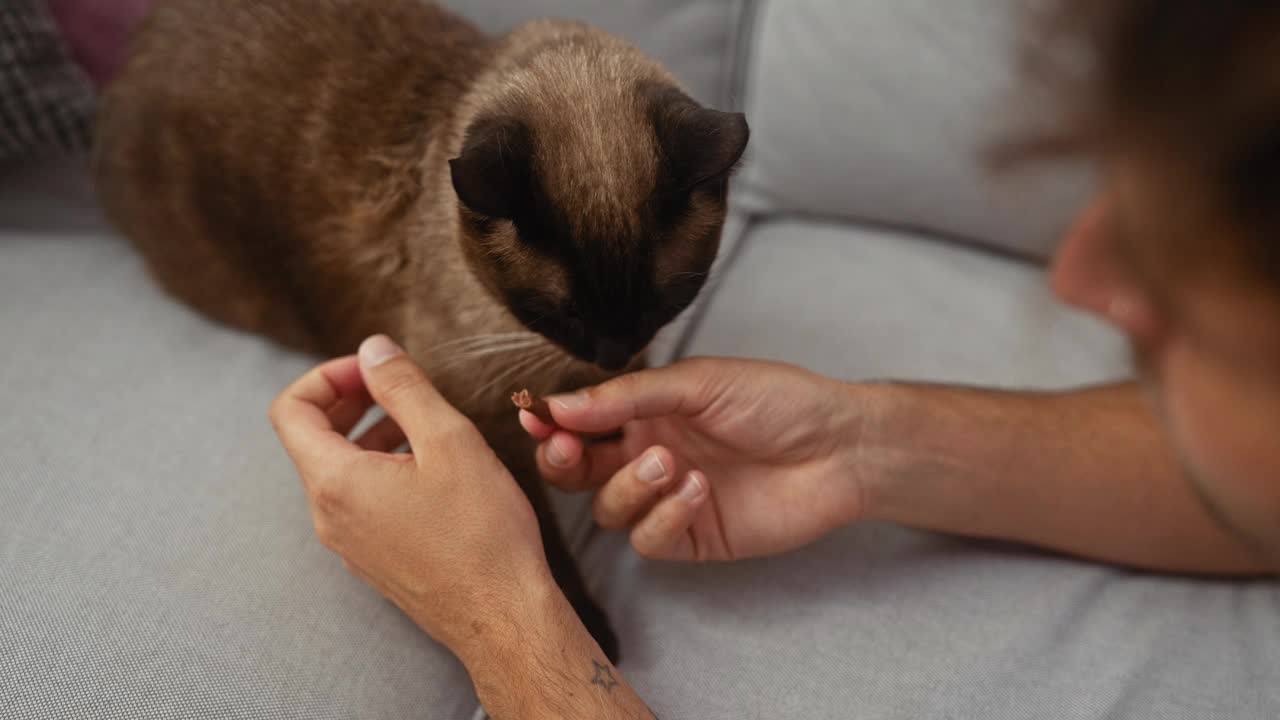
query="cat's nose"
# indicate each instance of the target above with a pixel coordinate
(612, 355)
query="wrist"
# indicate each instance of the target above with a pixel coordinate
(885, 446)
(507, 655)
(491, 635)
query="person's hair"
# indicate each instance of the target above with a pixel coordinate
(1192, 84)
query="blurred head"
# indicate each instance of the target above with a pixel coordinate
(1179, 100)
(592, 194)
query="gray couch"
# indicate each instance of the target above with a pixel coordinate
(156, 554)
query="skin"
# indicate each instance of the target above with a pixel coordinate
(445, 533)
(727, 459)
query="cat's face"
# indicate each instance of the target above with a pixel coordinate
(598, 236)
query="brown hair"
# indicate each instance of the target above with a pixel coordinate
(1192, 85)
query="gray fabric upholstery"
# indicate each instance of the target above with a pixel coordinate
(882, 112)
(880, 623)
(696, 40)
(156, 551)
(859, 302)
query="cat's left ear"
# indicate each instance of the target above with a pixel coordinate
(698, 144)
(492, 175)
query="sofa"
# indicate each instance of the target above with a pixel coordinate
(156, 553)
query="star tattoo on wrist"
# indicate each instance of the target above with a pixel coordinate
(603, 677)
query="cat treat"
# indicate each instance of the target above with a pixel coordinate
(536, 405)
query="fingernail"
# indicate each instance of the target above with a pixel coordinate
(377, 350)
(575, 401)
(556, 453)
(692, 489)
(651, 469)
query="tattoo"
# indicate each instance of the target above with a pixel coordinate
(603, 677)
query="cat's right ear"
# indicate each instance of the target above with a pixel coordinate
(492, 175)
(698, 144)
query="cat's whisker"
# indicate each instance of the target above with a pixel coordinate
(528, 365)
(479, 340)
(471, 355)
(498, 347)
(542, 366)
(482, 341)
(510, 372)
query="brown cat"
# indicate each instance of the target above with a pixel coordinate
(524, 211)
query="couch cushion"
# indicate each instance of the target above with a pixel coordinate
(881, 111)
(880, 622)
(860, 302)
(155, 546)
(696, 40)
(876, 622)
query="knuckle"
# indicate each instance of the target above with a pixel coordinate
(324, 498)
(620, 387)
(327, 493)
(606, 516)
(644, 546)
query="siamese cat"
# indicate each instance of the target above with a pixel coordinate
(524, 211)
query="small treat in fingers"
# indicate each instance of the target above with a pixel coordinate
(538, 406)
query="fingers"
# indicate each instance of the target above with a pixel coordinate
(681, 389)
(565, 462)
(400, 387)
(664, 534)
(634, 489)
(301, 414)
(537, 429)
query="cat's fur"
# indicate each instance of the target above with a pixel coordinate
(321, 170)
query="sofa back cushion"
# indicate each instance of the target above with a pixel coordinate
(696, 40)
(881, 112)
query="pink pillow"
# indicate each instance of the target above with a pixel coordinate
(98, 32)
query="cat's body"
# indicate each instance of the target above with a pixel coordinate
(318, 171)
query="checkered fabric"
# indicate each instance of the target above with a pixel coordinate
(46, 100)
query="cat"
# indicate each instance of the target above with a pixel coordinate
(516, 211)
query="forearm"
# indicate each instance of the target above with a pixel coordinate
(540, 662)
(1087, 473)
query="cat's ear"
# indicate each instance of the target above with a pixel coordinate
(492, 175)
(698, 144)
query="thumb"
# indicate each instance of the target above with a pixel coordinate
(680, 389)
(400, 387)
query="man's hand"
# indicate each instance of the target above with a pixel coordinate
(444, 532)
(751, 458)
(718, 460)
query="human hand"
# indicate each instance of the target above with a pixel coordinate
(718, 459)
(444, 533)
